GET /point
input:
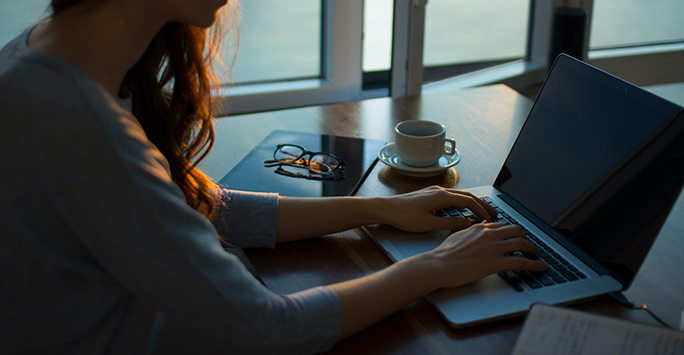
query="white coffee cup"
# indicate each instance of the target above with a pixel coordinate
(421, 143)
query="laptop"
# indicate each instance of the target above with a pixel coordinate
(591, 178)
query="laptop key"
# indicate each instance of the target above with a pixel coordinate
(552, 262)
(467, 214)
(452, 212)
(529, 279)
(510, 277)
(441, 213)
(551, 272)
(569, 275)
(559, 279)
(545, 280)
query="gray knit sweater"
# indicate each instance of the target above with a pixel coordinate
(97, 243)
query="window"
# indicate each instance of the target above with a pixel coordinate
(278, 41)
(324, 51)
(377, 35)
(620, 23)
(16, 16)
(292, 54)
(641, 42)
(338, 25)
(462, 35)
(459, 36)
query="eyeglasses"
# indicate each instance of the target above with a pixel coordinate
(321, 166)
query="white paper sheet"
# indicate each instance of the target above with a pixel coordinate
(561, 331)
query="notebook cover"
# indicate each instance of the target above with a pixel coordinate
(250, 174)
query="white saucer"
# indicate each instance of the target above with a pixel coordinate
(388, 155)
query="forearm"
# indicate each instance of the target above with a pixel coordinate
(372, 298)
(300, 218)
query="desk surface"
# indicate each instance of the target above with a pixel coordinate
(484, 121)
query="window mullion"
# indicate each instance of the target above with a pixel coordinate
(407, 47)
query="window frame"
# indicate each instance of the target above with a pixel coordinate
(342, 76)
(341, 73)
(531, 71)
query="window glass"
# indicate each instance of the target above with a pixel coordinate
(16, 16)
(618, 23)
(465, 31)
(279, 40)
(377, 34)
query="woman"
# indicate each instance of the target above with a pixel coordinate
(106, 222)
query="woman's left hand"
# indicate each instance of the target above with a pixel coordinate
(415, 211)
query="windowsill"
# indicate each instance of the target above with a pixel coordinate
(636, 50)
(272, 88)
(271, 96)
(496, 74)
(673, 92)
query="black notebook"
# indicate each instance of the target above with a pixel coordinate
(358, 154)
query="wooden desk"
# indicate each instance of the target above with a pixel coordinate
(484, 121)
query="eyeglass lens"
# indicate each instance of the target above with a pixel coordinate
(323, 163)
(287, 153)
(319, 162)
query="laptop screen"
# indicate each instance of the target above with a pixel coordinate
(586, 161)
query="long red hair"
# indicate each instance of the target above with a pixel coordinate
(173, 86)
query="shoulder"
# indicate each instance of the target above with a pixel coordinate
(37, 85)
(51, 108)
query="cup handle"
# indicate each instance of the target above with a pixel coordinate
(452, 143)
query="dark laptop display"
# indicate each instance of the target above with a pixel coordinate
(612, 159)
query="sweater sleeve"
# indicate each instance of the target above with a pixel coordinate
(247, 219)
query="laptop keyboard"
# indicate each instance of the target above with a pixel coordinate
(559, 272)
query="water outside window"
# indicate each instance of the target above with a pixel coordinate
(619, 23)
(279, 40)
(465, 31)
(377, 34)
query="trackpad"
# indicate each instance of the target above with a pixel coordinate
(419, 243)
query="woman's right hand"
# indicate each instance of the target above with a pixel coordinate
(462, 258)
(478, 251)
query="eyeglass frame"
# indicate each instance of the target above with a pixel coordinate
(293, 162)
(331, 176)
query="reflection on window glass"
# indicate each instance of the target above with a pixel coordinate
(627, 22)
(465, 31)
(279, 40)
(16, 16)
(377, 34)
